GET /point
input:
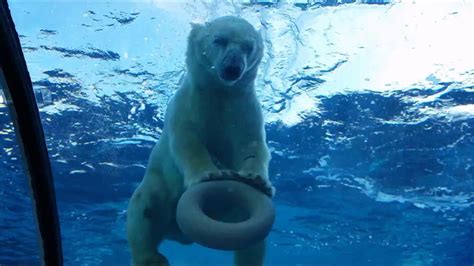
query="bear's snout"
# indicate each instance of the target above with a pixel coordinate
(233, 66)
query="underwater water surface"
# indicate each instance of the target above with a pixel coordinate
(369, 113)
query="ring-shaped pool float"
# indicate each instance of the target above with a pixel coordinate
(225, 214)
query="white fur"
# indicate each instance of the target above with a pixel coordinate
(212, 126)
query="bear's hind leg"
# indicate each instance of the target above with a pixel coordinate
(251, 256)
(147, 220)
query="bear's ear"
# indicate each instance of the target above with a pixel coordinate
(196, 28)
(195, 25)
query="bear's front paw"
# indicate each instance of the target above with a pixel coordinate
(219, 174)
(212, 175)
(257, 181)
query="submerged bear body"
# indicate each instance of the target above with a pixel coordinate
(213, 126)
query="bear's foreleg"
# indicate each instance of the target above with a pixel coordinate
(254, 158)
(190, 155)
(252, 162)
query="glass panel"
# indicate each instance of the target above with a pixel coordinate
(368, 108)
(18, 230)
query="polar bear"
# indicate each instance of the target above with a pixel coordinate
(213, 129)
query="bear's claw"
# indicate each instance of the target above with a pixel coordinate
(254, 180)
(221, 174)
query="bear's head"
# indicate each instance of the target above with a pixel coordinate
(226, 51)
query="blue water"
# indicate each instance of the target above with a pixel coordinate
(375, 170)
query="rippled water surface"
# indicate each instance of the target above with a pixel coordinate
(369, 110)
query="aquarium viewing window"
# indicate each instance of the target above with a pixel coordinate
(16, 84)
(368, 109)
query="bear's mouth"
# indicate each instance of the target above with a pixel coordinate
(231, 73)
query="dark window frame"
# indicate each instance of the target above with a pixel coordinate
(25, 116)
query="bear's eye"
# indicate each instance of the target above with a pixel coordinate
(247, 47)
(220, 41)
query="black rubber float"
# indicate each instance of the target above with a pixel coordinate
(225, 214)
